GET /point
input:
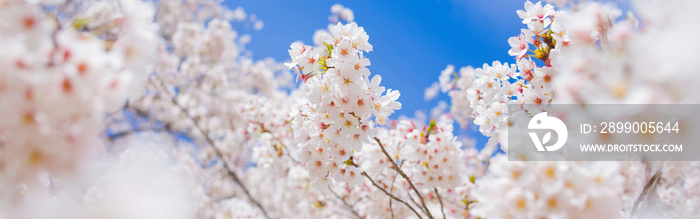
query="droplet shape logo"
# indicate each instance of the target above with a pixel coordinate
(543, 122)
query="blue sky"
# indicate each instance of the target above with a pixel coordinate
(413, 40)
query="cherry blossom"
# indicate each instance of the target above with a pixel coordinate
(575, 48)
(141, 109)
(85, 61)
(342, 100)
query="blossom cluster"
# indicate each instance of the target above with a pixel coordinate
(490, 89)
(585, 55)
(623, 58)
(88, 60)
(453, 82)
(218, 134)
(557, 189)
(342, 99)
(407, 158)
(206, 86)
(341, 13)
(431, 153)
(441, 167)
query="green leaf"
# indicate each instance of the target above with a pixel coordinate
(329, 48)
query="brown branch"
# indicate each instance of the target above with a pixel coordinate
(415, 203)
(460, 206)
(388, 193)
(645, 191)
(396, 167)
(441, 207)
(392, 190)
(391, 195)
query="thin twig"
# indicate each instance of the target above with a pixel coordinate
(645, 191)
(396, 167)
(415, 203)
(460, 206)
(391, 189)
(352, 210)
(391, 195)
(441, 207)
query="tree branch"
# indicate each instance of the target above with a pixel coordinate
(391, 189)
(410, 197)
(460, 206)
(396, 167)
(645, 191)
(390, 195)
(441, 207)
